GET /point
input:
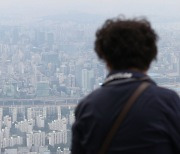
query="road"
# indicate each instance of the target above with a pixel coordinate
(39, 102)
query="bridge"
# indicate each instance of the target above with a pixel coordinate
(39, 102)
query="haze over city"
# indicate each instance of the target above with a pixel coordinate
(36, 8)
(48, 64)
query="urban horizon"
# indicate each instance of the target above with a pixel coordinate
(48, 64)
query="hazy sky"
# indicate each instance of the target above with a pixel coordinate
(106, 7)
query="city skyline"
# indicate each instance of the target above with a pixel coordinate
(47, 60)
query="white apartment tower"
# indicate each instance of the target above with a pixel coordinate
(87, 76)
(1, 115)
(35, 138)
(14, 114)
(44, 112)
(29, 113)
(40, 122)
(7, 121)
(59, 112)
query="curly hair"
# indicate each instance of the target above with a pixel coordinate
(126, 43)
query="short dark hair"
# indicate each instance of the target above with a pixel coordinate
(126, 43)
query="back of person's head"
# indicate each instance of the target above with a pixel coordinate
(126, 44)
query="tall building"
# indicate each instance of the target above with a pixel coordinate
(1, 115)
(6, 132)
(57, 137)
(29, 140)
(71, 80)
(35, 138)
(59, 112)
(1, 139)
(7, 121)
(14, 114)
(40, 121)
(78, 74)
(44, 112)
(71, 117)
(87, 80)
(29, 113)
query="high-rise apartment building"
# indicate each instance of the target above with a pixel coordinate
(35, 138)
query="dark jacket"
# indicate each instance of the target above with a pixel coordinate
(152, 126)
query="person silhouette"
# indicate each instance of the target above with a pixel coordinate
(152, 124)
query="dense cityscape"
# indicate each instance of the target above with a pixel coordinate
(36, 129)
(46, 67)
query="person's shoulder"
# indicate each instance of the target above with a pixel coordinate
(162, 91)
(87, 102)
(161, 94)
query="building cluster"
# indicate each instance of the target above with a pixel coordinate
(166, 69)
(32, 128)
(44, 60)
(53, 60)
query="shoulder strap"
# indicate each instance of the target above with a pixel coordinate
(105, 146)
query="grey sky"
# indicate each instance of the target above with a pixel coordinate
(106, 7)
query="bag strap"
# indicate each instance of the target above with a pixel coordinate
(106, 143)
